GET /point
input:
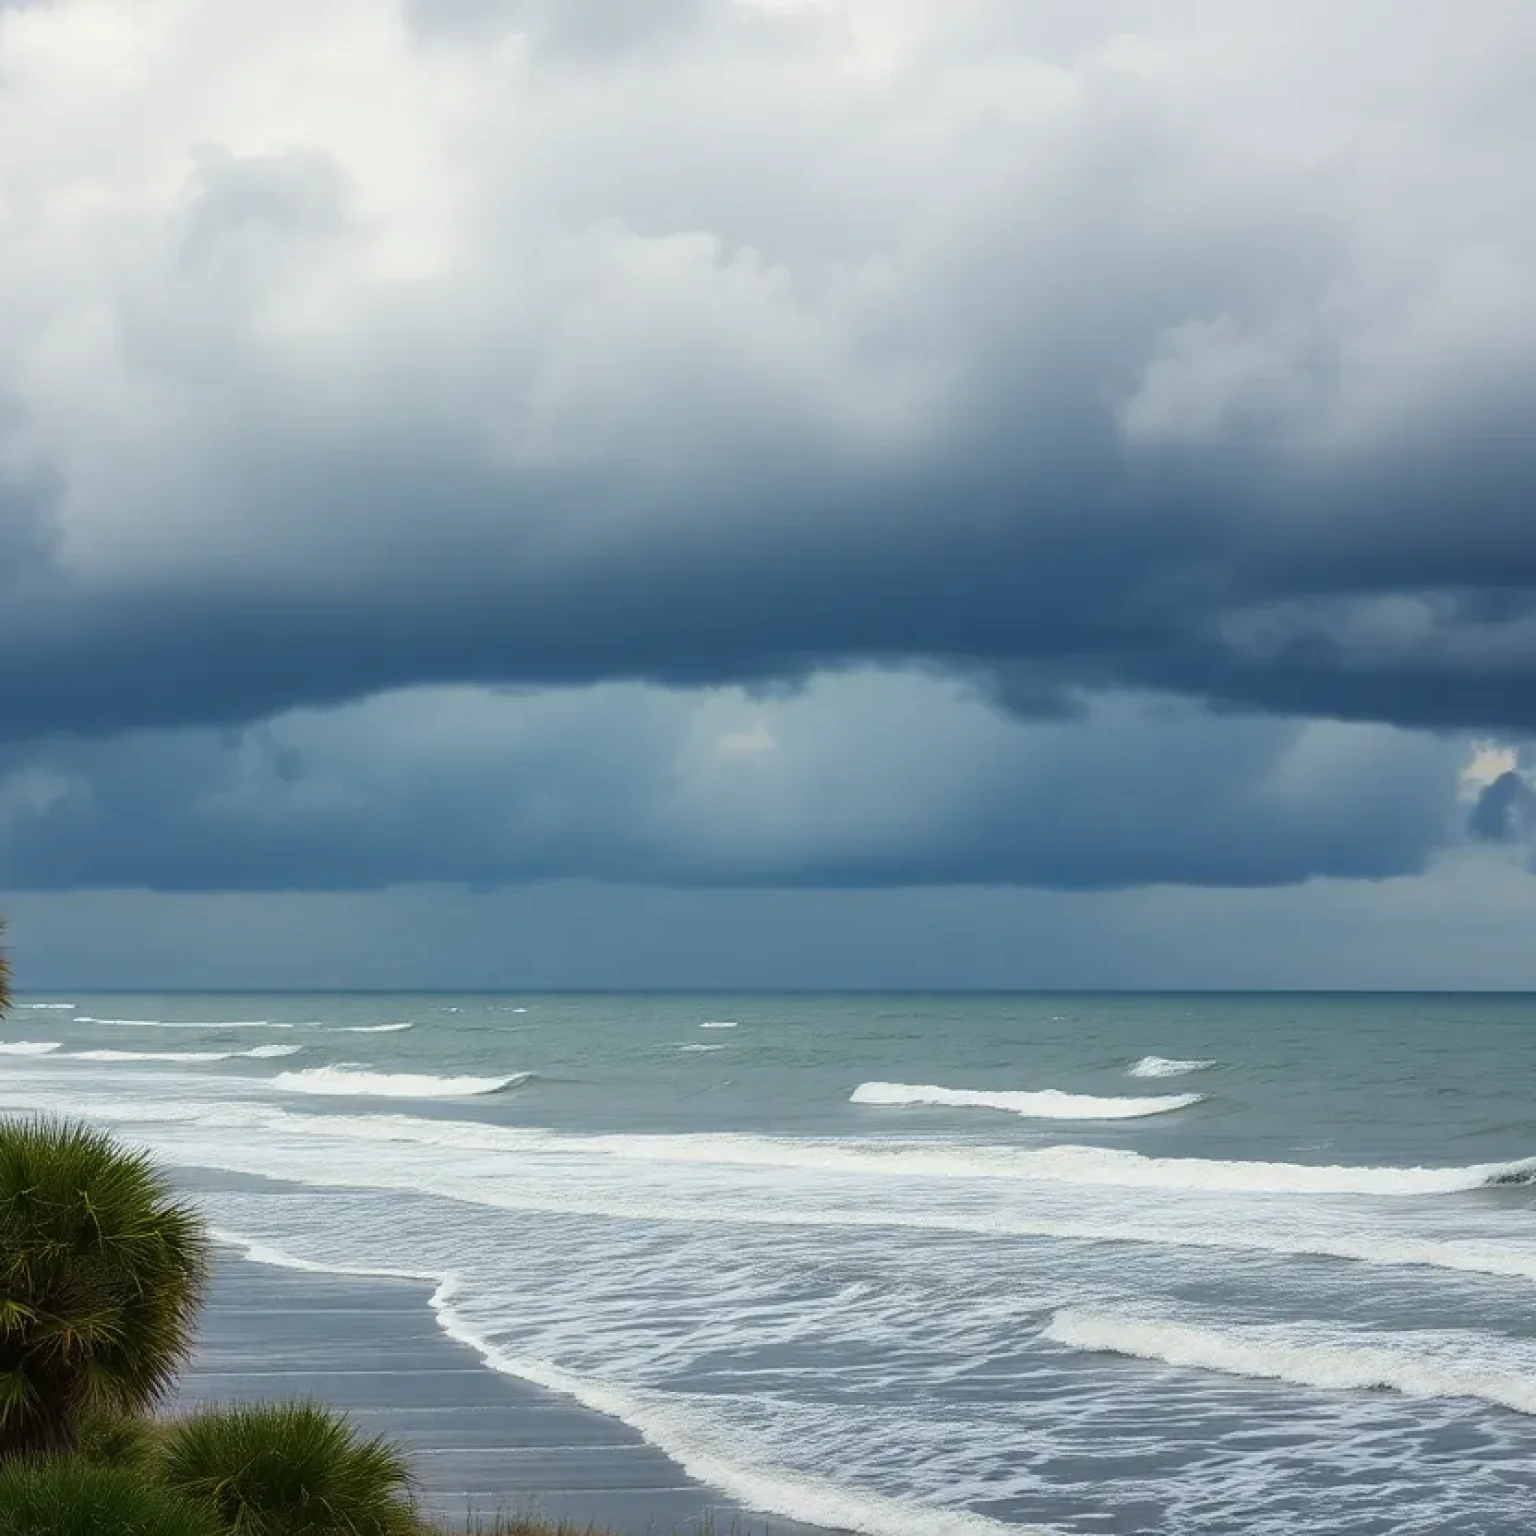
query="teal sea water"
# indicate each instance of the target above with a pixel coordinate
(1187, 1264)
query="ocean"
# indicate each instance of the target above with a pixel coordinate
(910, 1265)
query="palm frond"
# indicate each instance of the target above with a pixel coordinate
(101, 1275)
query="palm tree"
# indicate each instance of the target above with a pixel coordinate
(288, 1469)
(101, 1274)
(5, 978)
(65, 1497)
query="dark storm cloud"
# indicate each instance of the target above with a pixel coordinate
(1183, 353)
(1501, 809)
(1080, 395)
(861, 781)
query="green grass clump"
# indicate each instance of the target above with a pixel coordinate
(101, 1274)
(116, 1440)
(288, 1469)
(67, 1496)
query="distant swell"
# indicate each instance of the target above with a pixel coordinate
(257, 1053)
(45, 1005)
(28, 1047)
(1165, 1066)
(345, 1082)
(1046, 1104)
(375, 1029)
(1270, 1354)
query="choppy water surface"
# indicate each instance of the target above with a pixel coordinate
(1092, 1264)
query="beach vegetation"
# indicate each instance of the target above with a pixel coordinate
(70, 1496)
(109, 1439)
(101, 1274)
(288, 1469)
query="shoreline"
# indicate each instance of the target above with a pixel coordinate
(483, 1442)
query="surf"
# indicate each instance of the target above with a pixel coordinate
(353, 1082)
(1279, 1354)
(256, 1053)
(85, 1018)
(1043, 1104)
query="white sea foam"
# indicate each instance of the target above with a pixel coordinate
(1285, 1354)
(540, 1171)
(1065, 1164)
(375, 1029)
(349, 1082)
(720, 1024)
(1045, 1104)
(28, 1047)
(45, 1005)
(257, 1053)
(694, 1049)
(86, 1018)
(711, 1459)
(1165, 1066)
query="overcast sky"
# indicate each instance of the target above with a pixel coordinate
(768, 492)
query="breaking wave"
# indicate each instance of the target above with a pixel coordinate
(257, 1053)
(28, 1047)
(375, 1029)
(45, 1005)
(1165, 1066)
(514, 1168)
(348, 1082)
(1280, 1354)
(720, 1024)
(1046, 1104)
(86, 1018)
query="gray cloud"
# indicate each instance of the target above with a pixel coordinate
(1502, 810)
(1122, 352)
(761, 443)
(574, 27)
(863, 780)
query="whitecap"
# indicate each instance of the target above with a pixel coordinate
(1166, 1066)
(29, 1047)
(257, 1053)
(1044, 1104)
(349, 1082)
(375, 1029)
(720, 1024)
(86, 1018)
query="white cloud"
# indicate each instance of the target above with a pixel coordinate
(1489, 761)
(752, 742)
